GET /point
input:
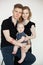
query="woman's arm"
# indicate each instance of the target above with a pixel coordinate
(30, 37)
(10, 39)
(27, 46)
(33, 35)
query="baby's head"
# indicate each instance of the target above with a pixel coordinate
(20, 27)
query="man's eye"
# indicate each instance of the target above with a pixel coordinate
(15, 11)
(20, 12)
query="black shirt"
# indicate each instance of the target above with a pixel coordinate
(28, 27)
(8, 25)
(28, 31)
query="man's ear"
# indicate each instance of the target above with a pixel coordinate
(13, 11)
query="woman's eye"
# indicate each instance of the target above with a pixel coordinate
(26, 13)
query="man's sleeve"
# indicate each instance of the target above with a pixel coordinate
(5, 25)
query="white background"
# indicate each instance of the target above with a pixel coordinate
(36, 6)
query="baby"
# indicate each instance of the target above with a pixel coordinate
(20, 36)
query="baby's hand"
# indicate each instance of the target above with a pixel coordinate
(23, 38)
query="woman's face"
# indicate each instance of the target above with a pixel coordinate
(25, 14)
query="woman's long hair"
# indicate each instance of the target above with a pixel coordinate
(30, 14)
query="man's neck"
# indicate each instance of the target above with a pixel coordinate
(14, 20)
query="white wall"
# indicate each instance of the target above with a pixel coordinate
(36, 6)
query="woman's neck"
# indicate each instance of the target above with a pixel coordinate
(25, 22)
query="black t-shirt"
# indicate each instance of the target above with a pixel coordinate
(28, 31)
(28, 28)
(8, 25)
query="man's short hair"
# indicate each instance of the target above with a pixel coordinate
(18, 6)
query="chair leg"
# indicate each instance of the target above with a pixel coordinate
(2, 62)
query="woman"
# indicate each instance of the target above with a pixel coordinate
(31, 34)
(29, 26)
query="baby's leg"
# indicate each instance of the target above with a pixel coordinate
(29, 44)
(15, 49)
(23, 55)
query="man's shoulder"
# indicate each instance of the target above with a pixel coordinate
(5, 21)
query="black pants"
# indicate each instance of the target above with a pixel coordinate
(10, 59)
(29, 59)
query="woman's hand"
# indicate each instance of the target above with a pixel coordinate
(23, 45)
(26, 48)
(26, 38)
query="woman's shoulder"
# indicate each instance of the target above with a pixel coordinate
(31, 23)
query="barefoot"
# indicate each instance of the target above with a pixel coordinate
(20, 61)
(13, 52)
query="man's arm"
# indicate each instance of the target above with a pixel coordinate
(10, 39)
(22, 39)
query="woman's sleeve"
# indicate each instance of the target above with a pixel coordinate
(32, 23)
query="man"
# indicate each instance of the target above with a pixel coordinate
(8, 34)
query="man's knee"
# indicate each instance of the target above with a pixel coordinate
(30, 58)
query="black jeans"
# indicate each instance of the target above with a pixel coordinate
(29, 59)
(10, 59)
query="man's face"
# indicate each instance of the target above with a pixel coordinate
(17, 12)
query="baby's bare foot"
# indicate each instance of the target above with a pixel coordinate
(20, 61)
(13, 52)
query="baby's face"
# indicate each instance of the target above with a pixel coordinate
(20, 28)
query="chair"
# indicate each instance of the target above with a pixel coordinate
(2, 62)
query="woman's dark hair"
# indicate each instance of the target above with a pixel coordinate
(30, 14)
